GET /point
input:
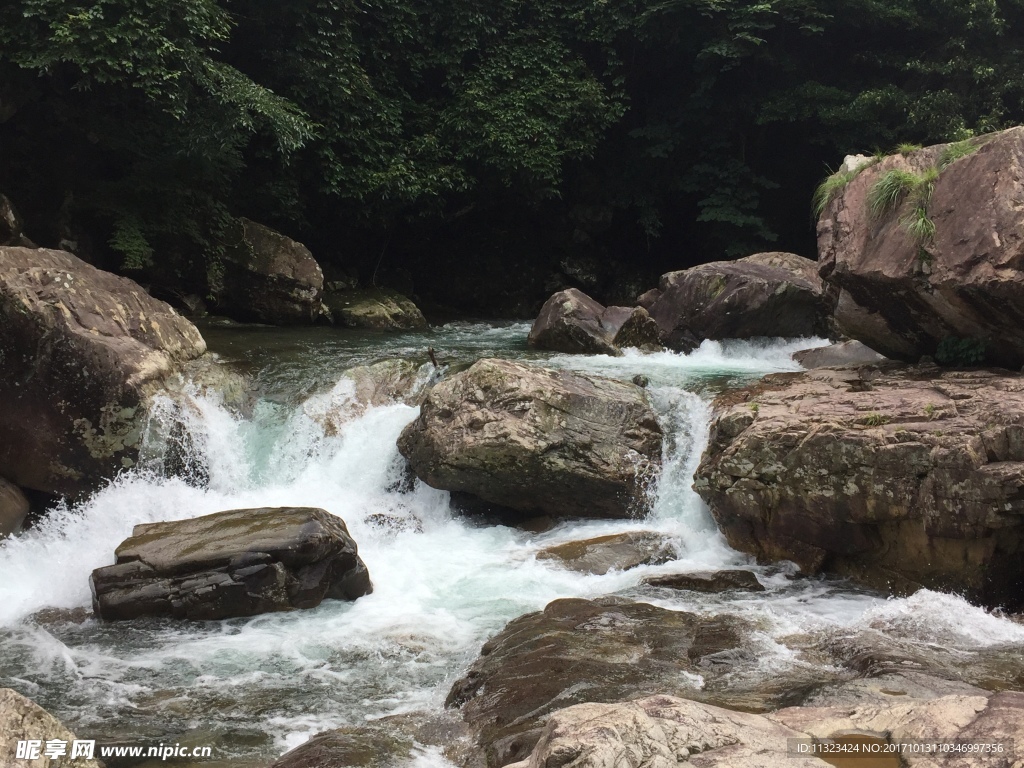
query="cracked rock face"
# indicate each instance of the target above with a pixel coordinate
(538, 441)
(236, 563)
(80, 351)
(900, 477)
(903, 296)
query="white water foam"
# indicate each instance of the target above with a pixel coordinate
(442, 584)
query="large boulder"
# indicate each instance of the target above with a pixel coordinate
(767, 294)
(536, 440)
(236, 563)
(270, 278)
(944, 263)
(570, 321)
(22, 720)
(13, 508)
(956, 731)
(849, 352)
(80, 353)
(901, 477)
(576, 651)
(375, 308)
(664, 732)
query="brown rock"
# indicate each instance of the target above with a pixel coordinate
(82, 350)
(767, 294)
(617, 551)
(540, 441)
(270, 278)
(13, 508)
(23, 720)
(237, 563)
(707, 581)
(844, 353)
(349, 747)
(904, 296)
(572, 322)
(577, 651)
(900, 477)
(647, 298)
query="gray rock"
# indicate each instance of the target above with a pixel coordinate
(540, 441)
(236, 563)
(270, 278)
(374, 308)
(850, 352)
(707, 581)
(13, 508)
(618, 551)
(81, 351)
(11, 232)
(23, 720)
(767, 294)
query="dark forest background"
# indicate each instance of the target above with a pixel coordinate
(478, 154)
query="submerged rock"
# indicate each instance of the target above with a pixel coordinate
(270, 278)
(767, 294)
(23, 720)
(618, 551)
(570, 321)
(540, 441)
(236, 563)
(900, 477)
(376, 308)
(959, 279)
(577, 651)
(82, 350)
(349, 747)
(844, 353)
(13, 508)
(707, 581)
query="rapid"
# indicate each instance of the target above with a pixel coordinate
(254, 688)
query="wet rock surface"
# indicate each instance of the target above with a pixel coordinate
(81, 352)
(572, 322)
(618, 551)
(377, 308)
(236, 563)
(904, 296)
(270, 278)
(707, 581)
(898, 476)
(535, 440)
(22, 720)
(767, 294)
(13, 508)
(575, 651)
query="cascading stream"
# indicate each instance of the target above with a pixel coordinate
(255, 687)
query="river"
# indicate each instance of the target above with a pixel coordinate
(253, 688)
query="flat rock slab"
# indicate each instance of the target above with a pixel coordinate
(849, 352)
(618, 551)
(236, 563)
(575, 651)
(538, 441)
(899, 476)
(707, 581)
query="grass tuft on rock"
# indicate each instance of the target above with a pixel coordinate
(890, 190)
